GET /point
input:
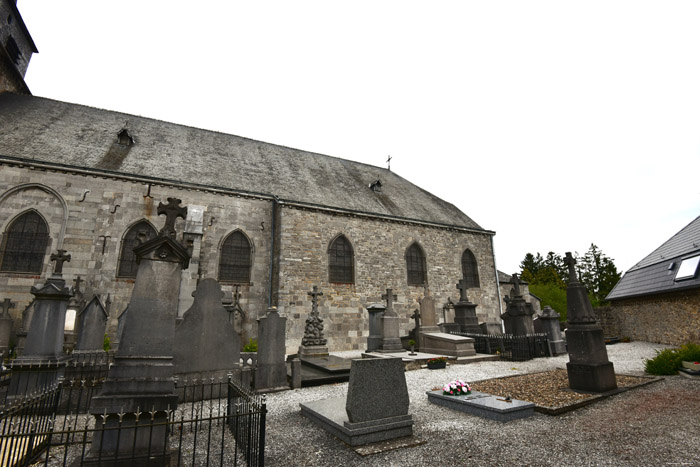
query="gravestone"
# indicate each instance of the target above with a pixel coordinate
(588, 368)
(141, 378)
(428, 317)
(374, 340)
(91, 323)
(207, 344)
(465, 311)
(271, 371)
(6, 323)
(548, 322)
(391, 342)
(376, 406)
(518, 315)
(313, 343)
(44, 344)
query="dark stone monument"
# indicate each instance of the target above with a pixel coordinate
(207, 344)
(313, 343)
(271, 371)
(6, 323)
(375, 409)
(465, 311)
(91, 322)
(44, 345)
(428, 317)
(518, 315)
(588, 368)
(448, 326)
(391, 342)
(376, 312)
(141, 379)
(548, 322)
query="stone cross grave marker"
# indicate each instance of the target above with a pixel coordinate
(172, 211)
(389, 297)
(462, 286)
(59, 257)
(6, 305)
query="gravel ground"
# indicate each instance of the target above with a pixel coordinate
(657, 424)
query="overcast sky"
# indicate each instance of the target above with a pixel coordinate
(556, 124)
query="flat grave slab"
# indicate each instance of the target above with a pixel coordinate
(484, 405)
(328, 363)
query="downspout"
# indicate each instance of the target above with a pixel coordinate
(498, 287)
(275, 203)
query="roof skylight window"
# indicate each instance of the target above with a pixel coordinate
(688, 268)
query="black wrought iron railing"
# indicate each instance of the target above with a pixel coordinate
(510, 347)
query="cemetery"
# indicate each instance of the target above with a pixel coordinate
(179, 390)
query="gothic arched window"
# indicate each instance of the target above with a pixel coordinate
(341, 267)
(415, 265)
(24, 244)
(127, 259)
(470, 270)
(235, 260)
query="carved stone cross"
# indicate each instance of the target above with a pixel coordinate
(314, 294)
(571, 262)
(60, 257)
(462, 286)
(6, 305)
(416, 318)
(77, 281)
(172, 211)
(389, 297)
(516, 284)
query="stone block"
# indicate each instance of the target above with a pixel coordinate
(448, 344)
(377, 389)
(484, 405)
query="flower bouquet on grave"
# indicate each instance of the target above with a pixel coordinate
(437, 362)
(456, 388)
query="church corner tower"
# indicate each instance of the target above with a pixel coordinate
(16, 49)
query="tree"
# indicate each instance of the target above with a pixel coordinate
(598, 273)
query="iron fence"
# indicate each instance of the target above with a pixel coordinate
(225, 430)
(511, 347)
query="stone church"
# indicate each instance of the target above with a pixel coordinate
(266, 220)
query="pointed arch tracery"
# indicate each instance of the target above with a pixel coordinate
(470, 269)
(341, 261)
(24, 244)
(415, 265)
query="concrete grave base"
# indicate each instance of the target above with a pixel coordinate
(592, 377)
(484, 405)
(448, 344)
(330, 414)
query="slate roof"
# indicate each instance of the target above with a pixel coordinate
(79, 136)
(656, 272)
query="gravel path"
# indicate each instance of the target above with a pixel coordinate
(658, 424)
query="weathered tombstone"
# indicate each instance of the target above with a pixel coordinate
(391, 342)
(428, 317)
(91, 326)
(465, 311)
(44, 345)
(374, 340)
(548, 322)
(207, 344)
(5, 325)
(588, 368)
(313, 344)
(376, 406)
(271, 371)
(518, 315)
(141, 378)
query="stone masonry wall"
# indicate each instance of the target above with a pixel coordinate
(672, 319)
(379, 247)
(110, 206)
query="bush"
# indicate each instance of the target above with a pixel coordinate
(106, 343)
(668, 361)
(251, 346)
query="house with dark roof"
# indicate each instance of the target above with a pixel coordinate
(658, 300)
(268, 222)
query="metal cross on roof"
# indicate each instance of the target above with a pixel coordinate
(571, 262)
(6, 305)
(59, 257)
(388, 163)
(172, 211)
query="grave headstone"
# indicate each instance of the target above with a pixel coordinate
(518, 315)
(376, 406)
(391, 342)
(313, 343)
(588, 368)
(141, 378)
(271, 371)
(6, 323)
(548, 322)
(92, 321)
(374, 340)
(428, 317)
(206, 343)
(465, 311)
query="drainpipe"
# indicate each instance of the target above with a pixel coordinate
(275, 203)
(498, 287)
